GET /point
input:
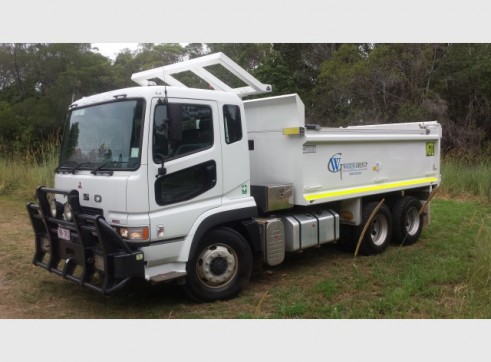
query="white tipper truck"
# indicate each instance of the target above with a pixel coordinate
(165, 182)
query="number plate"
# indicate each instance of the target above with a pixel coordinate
(64, 234)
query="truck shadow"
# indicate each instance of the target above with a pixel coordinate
(140, 299)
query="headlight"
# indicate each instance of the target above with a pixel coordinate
(99, 262)
(67, 212)
(45, 245)
(134, 233)
(55, 208)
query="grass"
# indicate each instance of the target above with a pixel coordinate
(467, 177)
(21, 173)
(445, 275)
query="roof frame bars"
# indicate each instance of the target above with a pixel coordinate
(197, 66)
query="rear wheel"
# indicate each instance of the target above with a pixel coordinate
(220, 267)
(408, 222)
(379, 233)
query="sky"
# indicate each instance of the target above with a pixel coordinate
(358, 21)
(111, 50)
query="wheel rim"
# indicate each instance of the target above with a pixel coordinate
(217, 265)
(412, 221)
(380, 229)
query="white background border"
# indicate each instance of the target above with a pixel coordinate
(187, 21)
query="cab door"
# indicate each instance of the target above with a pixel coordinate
(185, 138)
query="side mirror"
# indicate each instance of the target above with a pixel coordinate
(162, 171)
(174, 114)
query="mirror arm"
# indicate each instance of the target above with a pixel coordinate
(162, 171)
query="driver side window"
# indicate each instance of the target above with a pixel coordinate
(180, 129)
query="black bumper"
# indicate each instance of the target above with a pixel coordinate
(95, 256)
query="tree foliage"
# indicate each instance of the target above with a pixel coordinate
(340, 84)
(410, 82)
(39, 81)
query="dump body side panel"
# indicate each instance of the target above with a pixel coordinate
(332, 164)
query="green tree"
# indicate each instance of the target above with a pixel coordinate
(340, 84)
(275, 71)
(464, 81)
(194, 50)
(379, 83)
(39, 81)
(342, 93)
(147, 56)
(247, 55)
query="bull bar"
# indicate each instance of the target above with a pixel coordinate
(95, 257)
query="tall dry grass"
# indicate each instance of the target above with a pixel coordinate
(480, 271)
(467, 177)
(22, 171)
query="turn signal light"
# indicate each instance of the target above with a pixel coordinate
(134, 233)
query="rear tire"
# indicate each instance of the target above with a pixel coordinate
(220, 267)
(378, 235)
(407, 222)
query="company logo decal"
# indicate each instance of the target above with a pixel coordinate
(335, 165)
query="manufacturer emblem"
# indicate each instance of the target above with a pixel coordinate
(80, 185)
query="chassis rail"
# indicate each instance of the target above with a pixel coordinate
(95, 257)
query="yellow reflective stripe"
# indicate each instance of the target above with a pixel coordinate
(356, 190)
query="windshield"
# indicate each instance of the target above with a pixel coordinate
(105, 136)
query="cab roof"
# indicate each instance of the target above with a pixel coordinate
(149, 92)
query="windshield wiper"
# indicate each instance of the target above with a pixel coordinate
(68, 168)
(99, 168)
(73, 169)
(59, 168)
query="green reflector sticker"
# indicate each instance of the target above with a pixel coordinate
(430, 149)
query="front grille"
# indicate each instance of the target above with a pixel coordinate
(92, 211)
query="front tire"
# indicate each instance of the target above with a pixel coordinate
(220, 267)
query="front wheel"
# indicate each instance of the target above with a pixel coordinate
(220, 267)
